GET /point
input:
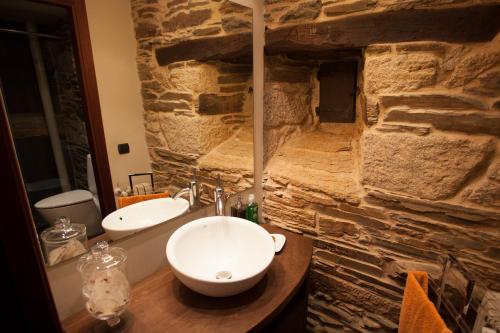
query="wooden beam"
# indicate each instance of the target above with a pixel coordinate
(469, 24)
(227, 47)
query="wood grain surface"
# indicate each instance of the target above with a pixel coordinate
(160, 303)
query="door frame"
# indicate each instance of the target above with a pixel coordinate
(21, 255)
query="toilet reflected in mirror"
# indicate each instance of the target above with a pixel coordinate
(80, 206)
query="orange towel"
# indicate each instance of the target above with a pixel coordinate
(126, 201)
(418, 314)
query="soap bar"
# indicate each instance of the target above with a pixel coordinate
(279, 242)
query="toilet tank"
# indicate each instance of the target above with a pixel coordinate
(77, 205)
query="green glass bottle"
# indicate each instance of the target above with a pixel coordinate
(252, 211)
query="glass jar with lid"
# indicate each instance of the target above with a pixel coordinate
(105, 284)
(64, 240)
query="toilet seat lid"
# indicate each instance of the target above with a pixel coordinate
(64, 199)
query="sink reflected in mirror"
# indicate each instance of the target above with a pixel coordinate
(220, 255)
(136, 217)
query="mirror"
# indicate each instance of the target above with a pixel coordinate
(42, 96)
(191, 73)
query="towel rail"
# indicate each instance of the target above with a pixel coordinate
(466, 304)
(150, 174)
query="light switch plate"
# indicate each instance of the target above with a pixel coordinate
(123, 148)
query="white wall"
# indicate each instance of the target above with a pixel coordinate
(114, 50)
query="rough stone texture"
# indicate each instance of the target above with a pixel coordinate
(196, 78)
(288, 74)
(233, 88)
(429, 167)
(276, 137)
(349, 7)
(371, 110)
(232, 24)
(411, 4)
(146, 29)
(225, 47)
(207, 31)
(186, 20)
(197, 135)
(337, 228)
(166, 106)
(455, 25)
(304, 11)
(469, 63)
(414, 178)
(463, 121)
(487, 191)
(172, 95)
(68, 109)
(286, 104)
(317, 160)
(233, 78)
(420, 182)
(229, 7)
(486, 84)
(448, 101)
(415, 129)
(496, 105)
(220, 104)
(187, 64)
(398, 73)
(231, 160)
(487, 194)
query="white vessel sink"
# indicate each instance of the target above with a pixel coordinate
(220, 255)
(131, 219)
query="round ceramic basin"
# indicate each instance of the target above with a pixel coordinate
(134, 218)
(220, 255)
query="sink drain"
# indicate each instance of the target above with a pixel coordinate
(226, 275)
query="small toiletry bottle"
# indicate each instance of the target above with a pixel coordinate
(252, 210)
(238, 209)
(243, 211)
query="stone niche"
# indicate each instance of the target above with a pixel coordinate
(416, 176)
(195, 66)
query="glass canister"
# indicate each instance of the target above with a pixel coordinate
(105, 284)
(64, 240)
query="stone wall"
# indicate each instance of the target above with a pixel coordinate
(280, 12)
(68, 108)
(198, 114)
(288, 101)
(416, 177)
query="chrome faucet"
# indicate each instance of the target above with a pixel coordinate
(220, 198)
(193, 190)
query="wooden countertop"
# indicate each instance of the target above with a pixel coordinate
(160, 303)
